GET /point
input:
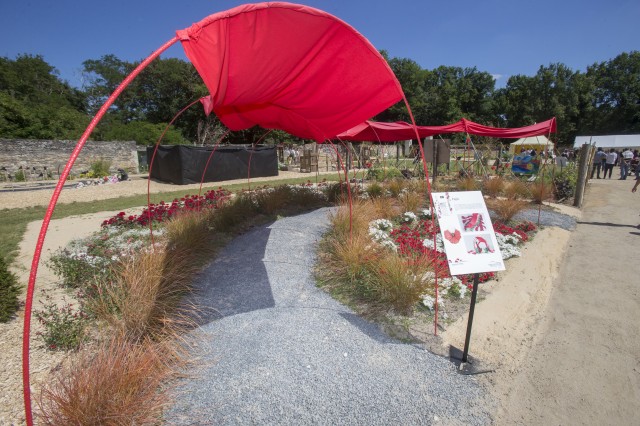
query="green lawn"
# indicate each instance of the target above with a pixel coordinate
(13, 222)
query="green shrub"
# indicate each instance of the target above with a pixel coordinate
(20, 176)
(565, 183)
(64, 326)
(9, 292)
(100, 168)
(380, 173)
(374, 190)
(78, 271)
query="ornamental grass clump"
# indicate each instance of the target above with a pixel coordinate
(395, 186)
(493, 186)
(343, 226)
(410, 201)
(399, 283)
(468, 183)
(375, 190)
(516, 190)
(384, 207)
(119, 383)
(541, 191)
(346, 266)
(151, 285)
(506, 209)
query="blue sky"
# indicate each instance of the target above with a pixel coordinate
(502, 37)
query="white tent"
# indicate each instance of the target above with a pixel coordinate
(539, 143)
(609, 141)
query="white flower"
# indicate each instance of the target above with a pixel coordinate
(382, 224)
(409, 217)
(425, 214)
(428, 243)
(508, 245)
(429, 302)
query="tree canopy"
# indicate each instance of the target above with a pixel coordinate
(36, 104)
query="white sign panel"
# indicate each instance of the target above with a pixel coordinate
(467, 233)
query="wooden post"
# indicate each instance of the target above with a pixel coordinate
(583, 174)
(434, 175)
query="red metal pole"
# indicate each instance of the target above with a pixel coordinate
(153, 157)
(47, 219)
(426, 176)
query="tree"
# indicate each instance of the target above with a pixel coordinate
(555, 91)
(142, 132)
(36, 104)
(617, 94)
(157, 94)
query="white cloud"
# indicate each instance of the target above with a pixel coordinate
(497, 77)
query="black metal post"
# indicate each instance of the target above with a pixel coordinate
(474, 293)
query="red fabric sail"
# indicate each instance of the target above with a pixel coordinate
(537, 129)
(290, 67)
(375, 131)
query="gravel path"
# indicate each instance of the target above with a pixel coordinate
(547, 218)
(277, 350)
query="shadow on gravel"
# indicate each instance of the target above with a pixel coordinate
(236, 281)
(615, 225)
(367, 328)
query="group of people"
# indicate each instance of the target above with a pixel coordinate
(627, 160)
(291, 155)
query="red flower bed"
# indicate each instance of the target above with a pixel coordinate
(162, 211)
(522, 229)
(409, 241)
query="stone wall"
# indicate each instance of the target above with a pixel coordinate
(46, 156)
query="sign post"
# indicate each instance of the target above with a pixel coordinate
(474, 293)
(469, 242)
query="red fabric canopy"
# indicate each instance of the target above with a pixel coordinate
(378, 131)
(390, 132)
(290, 67)
(537, 129)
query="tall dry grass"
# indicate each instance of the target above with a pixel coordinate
(442, 185)
(395, 186)
(506, 209)
(118, 384)
(516, 189)
(233, 214)
(399, 283)
(362, 214)
(374, 189)
(468, 183)
(541, 191)
(411, 201)
(346, 265)
(146, 297)
(493, 186)
(384, 208)
(417, 185)
(273, 200)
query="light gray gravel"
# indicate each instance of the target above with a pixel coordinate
(275, 349)
(547, 218)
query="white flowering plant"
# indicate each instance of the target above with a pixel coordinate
(86, 260)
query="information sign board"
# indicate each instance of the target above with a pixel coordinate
(467, 232)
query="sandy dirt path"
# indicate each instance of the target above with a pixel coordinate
(61, 232)
(584, 364)
(11, 199)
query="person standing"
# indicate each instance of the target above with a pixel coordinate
(625, 161)
(609, 162)
(599, 159)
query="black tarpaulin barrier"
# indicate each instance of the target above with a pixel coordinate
(181, 164)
